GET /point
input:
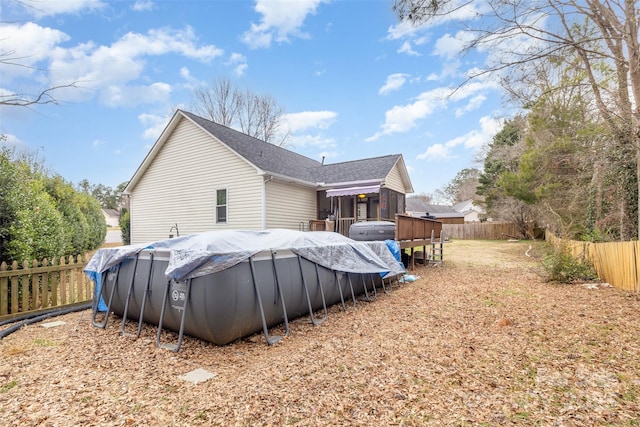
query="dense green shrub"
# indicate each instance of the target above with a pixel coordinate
(561, 267)
(75, 224)
(38, 228)
(42, 216)
(8, 182)
(125, 227)
(92, 211)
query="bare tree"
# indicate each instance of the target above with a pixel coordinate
(18, 99)
(218, 102)
(463, 186)
(602, 34)
(256, 115)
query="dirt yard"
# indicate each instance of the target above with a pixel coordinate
(481, 340)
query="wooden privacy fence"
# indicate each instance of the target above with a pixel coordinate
(617, 263)
(481, 230)
(41, 285)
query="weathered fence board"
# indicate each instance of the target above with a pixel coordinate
(480, 231)
(617, 263)
(41, 285)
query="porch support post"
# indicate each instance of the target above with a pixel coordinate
(355, 208)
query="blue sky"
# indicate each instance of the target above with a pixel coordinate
(353, 80)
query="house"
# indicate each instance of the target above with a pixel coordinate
(445, 214)
(471, 211)
(111, 217)
(200, 176)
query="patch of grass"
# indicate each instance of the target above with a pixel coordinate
(489, 302)
(44, 343)
(8, 386)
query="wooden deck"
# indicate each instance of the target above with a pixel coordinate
(411, 232)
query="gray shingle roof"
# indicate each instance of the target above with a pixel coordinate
(280, 161)
(357, 170)
(417, 205)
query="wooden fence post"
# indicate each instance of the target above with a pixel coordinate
(72, 281)
(25, 288)
(55, 281)
(79, 278)
(4, 291)
(45, 285)
(63, 282)
(35, 287)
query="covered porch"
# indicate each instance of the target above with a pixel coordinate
(345, 206)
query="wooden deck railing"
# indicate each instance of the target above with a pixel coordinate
(409, 228)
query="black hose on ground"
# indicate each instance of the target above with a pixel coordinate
(31, 314)
(28, 319)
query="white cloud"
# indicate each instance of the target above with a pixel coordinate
(154, 124)
(116, 96)
(40, 9)
(473, 140)
(460, 10)
(143, 5)
(411, 35)
(12, 141)
(239, 64)
(280, 20)
(28, 44)
(404, 29)
(190, 82)
(450, 47)
(297, 122)
(310, 141)
(407, 48)
(106, 71)
(473, 104)
(394, 82)
(403, 118)
(436, 152)
(305, 129)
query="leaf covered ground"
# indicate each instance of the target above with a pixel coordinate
(480, 340)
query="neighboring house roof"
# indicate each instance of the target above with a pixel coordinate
(463, 206)
(112, 217)
(113, 213)
(273, 160)
(419, 207)
(468, 206)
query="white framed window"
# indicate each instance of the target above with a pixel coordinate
(221, 206)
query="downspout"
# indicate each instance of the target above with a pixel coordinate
(264, 201)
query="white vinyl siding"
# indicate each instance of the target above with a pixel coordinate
(394, 180)
(179, 187)
(288, 205)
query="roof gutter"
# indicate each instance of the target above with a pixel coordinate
(324, 185)
(278, 177)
